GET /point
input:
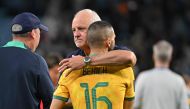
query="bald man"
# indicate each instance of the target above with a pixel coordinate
(77, 60)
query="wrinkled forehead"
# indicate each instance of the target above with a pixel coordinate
(81, 22)
(84, 19)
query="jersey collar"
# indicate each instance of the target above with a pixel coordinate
(16, 44)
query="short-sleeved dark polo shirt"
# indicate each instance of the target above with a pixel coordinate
(81, 52)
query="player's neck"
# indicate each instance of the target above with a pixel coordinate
(95, 52)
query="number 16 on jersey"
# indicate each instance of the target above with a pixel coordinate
(94, 98)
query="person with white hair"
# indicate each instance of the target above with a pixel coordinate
(75, 60)
(97, 87)
(160, 87)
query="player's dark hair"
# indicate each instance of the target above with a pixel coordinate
(98, 32)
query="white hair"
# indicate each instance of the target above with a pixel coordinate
(95, 17)
(163, 50)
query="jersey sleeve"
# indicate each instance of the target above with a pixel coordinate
(130, 94)
(64, 84)
(128, 76)
(62, 92)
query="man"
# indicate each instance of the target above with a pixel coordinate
(53, 60)
(80, 24)
(97, 87)
(24, 77)
(160, 88)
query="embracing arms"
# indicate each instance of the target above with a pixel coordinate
(115, 57)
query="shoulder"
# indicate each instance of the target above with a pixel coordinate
(177, 77)
(40, 58)
(128, 73)
(121, 48)
(70, 78)
(76, 52)
(41, 62)
(144, 74)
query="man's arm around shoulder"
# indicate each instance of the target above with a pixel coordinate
(115, 57)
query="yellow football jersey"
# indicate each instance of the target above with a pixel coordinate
(97, 87)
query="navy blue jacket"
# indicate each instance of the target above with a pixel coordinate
(81, 52)
(24, 78)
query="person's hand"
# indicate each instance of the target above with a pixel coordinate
(73, 63)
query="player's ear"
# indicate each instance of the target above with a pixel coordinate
(108, 42)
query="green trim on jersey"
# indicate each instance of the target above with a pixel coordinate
(15, 44)
(60, 98)
(129, 99)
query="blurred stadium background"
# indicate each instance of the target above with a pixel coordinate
(138, 24)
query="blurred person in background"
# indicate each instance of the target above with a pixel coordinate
(108, 87)
(53, 60)
(24, 77)
(118, 56)
(160, 88)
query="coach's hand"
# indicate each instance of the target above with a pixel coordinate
(73, 63)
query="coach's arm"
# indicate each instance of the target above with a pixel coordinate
(115, 57)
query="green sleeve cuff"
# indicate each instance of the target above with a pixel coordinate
(129, 99)
(61, 98)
